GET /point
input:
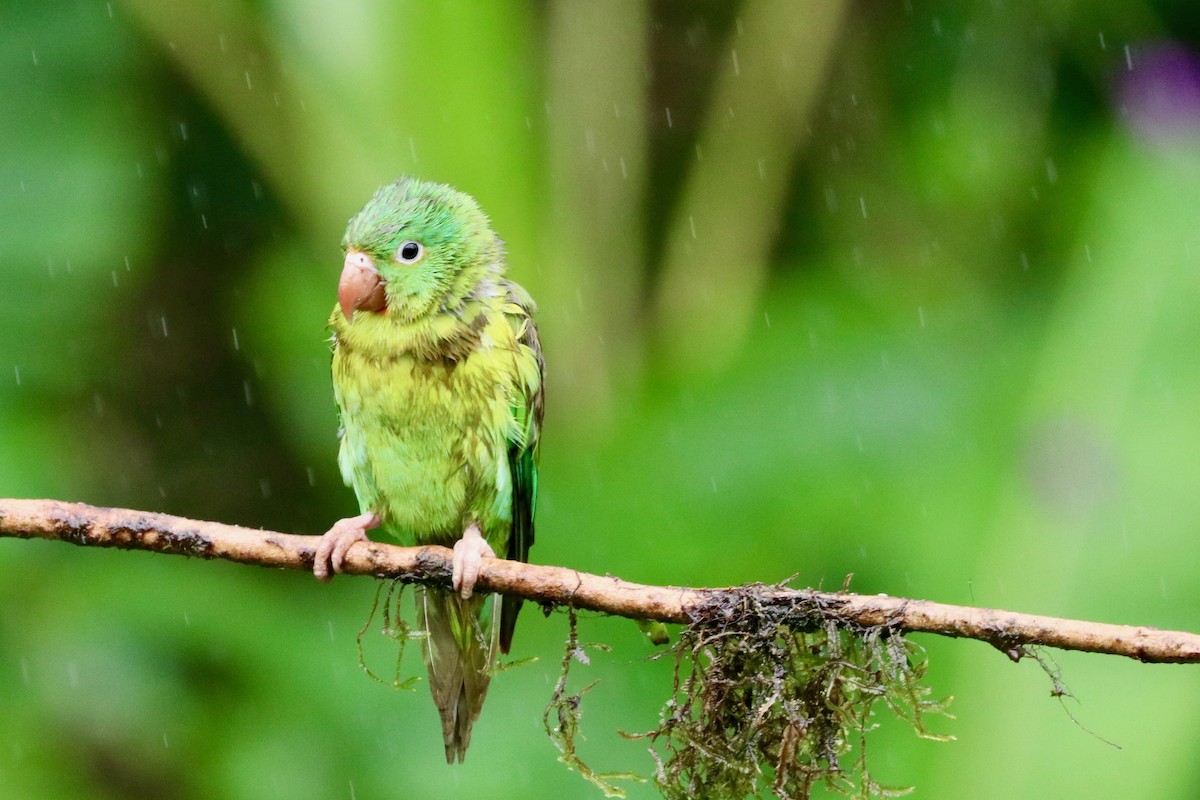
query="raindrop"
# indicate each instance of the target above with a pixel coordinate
(762, 175)
(247, 391)
(737, 68)
(1051, 171)
(166, 744)
(1103, 44)
(186, 619)
(624, 171)
(713, 482)
(162, 492)
(236, 344)
(692, 224)
(767, 318)
(114, 278)
(204, 221)
(1087, 252)
(35, 61)
(110, 11)
(1128, 59)
(164, 326)
(127, 269)
(669, 123)
(73, 674)
(1024, 261)
(831, 201)
(312, 476)
(25, 670)
(862, 203)
(412, 148)
(265, 486)
(249, 85)
(17, 373)
(183, 131)
(98, 402)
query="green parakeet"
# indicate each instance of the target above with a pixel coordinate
(437, 372)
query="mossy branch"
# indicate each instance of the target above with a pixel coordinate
(1011, 632)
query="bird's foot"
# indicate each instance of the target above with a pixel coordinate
(336, 542)
(468, 554)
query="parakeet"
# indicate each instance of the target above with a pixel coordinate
(437, 373)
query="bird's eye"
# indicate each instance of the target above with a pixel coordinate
(410, 252)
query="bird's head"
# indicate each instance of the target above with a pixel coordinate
(416, 247)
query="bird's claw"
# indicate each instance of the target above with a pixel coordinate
(469, 552)
(336, 542)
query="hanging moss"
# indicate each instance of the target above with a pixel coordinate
(772, 698)
(395, 628)
(564, 712)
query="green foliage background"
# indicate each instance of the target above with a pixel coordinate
(907, 290)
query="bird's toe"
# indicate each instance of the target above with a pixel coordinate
(469, 552)
(330, 555)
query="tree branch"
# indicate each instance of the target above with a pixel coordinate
(91, 526)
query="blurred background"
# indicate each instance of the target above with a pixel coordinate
(906, 290)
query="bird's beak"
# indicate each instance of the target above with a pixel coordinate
(361, 285)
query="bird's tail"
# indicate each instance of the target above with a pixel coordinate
(460, 652)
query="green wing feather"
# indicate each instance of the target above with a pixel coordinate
(522, 460)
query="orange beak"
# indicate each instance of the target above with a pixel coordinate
(361, 285)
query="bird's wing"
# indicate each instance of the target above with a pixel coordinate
(523, 447)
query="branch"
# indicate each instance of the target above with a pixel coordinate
(91, 526)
